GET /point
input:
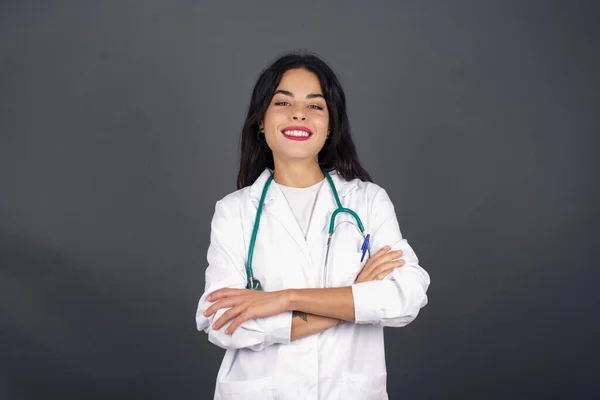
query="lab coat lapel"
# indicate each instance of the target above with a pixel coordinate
(277, 207)
(324, 207)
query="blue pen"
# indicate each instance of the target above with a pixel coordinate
(365, 247)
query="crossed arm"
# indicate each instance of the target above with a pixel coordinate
(383, 294)
(314, 310)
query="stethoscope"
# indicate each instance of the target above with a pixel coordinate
(254, 284)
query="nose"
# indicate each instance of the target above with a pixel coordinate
(298, 115)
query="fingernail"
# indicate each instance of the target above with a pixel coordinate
(209, 298)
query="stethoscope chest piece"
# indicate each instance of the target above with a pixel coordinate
(254, 284)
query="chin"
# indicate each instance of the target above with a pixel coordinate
(297, 155)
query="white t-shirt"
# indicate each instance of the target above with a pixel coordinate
(302, 201)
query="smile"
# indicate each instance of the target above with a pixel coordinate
(297, 133)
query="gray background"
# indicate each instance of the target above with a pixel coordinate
(119, 125)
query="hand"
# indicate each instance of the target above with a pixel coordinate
(245, 304)
(380, 265)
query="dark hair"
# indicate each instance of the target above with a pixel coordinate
(339, 151)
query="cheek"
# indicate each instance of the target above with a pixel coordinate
(275, 113)
(273, 119)
(322, 121)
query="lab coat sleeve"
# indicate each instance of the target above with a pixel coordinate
(396, 300)
(226, 269)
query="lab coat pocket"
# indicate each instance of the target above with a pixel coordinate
(364, 387)
(303, 388)
(346, 267)
(252, 389)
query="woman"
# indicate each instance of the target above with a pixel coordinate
(315, 330)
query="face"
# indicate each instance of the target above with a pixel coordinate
(296, 121)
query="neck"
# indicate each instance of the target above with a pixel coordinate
(298, 174)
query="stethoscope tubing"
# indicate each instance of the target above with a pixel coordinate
(255, 284)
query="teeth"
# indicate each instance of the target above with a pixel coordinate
(296, 133)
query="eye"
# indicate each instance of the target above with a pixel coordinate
(316, 107)
(281, 103)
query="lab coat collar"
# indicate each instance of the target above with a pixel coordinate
(276, 205)
(342, 186)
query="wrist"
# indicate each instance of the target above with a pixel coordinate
(290, 299)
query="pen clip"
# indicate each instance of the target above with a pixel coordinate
(365, 247)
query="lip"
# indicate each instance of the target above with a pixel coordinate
(297, 128)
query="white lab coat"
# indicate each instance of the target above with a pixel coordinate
(345, 362)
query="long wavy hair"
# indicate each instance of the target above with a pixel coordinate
(339, 152)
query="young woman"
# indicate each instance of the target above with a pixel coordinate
(300, 299)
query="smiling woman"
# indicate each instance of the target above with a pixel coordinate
(325, 295)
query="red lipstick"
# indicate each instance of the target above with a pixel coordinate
(298, 133)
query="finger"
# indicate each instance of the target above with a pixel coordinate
(211, 310)
(389, 257)
(393, 255)
(360, 279)
(227, 316)
(226, 292)
(381, 252)
(383, 257)
(382, 275)
(392, 264)
(375, 258)
(385, 269)
(377, 262)
(387, 250)
(225, 303)
(389, 269)
(243, 317)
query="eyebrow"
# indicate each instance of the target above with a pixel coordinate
(308, 96)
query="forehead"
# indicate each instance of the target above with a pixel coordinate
(300, 81)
